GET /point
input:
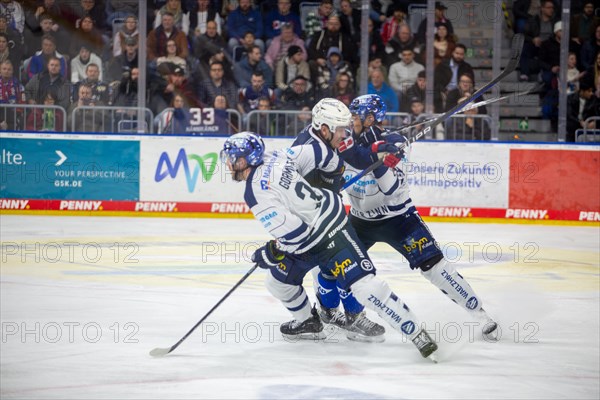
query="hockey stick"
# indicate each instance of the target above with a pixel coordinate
(160, 351)
(516, 49)
(470, 107)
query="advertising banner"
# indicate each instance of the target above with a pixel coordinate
(189, 170)
(69, 169)
(458, 174)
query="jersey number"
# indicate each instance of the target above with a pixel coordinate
(302, 189)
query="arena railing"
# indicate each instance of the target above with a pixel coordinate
(33, 117)
(277, 122)
(589, 134)
(110, 119)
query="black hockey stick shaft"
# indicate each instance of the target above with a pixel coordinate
(159, 352)
(516, 49)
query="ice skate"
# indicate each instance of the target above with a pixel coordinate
(332, 316)
(359, 328)
(311, 329)
(425, 345)
(489, 327)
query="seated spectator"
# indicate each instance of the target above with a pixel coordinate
(124, 63)
(15, 16)
(280, 45)
(85, 8)
(163, 89)
(157, 39)
(121, 9)
(249, 95)
(127, 90)
(573, 74)
(49, 79)
(376, 46)
(446, 76)
(316, 22)
(298, 122)
(581, 106)
(265, 123)
(40, 60)
(80, 64)
(288, 68)
(583, 25)
(33, 16)
(391, 25)
(343, 89)
(45, 25)
(298, 95)
(181, 19)
(589, 49)
(244, 19)
(165, 63)
(246, 43)
(87, 120)
(469, 128)
(325, 78)
(87, 35)
(100, 90)
(177, 119)
(129, 30)
(465, 87)
(216, 85)
(322, 41)
(378, 86)
(228, 124)
(416, 91)
(403, 40)
(15, 39)
(46, 119)
(7, 52)
(252, 62)
(375, 63)
(211, 45)
(403, 74)
(11, 92)
(443, 44)
(200, 15)
(350, 18)
(440, 18)
(279, 16)
(538, 28)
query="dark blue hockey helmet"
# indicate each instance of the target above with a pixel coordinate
(368, 104)
(244, 144)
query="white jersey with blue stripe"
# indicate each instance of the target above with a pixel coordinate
(374, 198)
(297, 215)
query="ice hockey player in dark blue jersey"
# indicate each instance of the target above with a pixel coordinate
(310, 227)
(382, 210)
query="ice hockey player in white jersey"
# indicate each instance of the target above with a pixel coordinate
(330, 121)
(310, 227)
(382, 211)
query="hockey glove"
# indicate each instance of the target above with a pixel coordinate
(268, 256)
(393, 155)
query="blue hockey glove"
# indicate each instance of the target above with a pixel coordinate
(268, 256)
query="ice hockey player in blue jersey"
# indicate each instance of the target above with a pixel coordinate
(382, 211)
(310, 227)
(327, 115)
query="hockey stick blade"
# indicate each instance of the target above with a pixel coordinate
(161, 352)
(516, 49)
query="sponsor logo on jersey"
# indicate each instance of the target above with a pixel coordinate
(264, 185)
(408, 327)
(418, 244)
(343, 268)
(454, 284)
(206, 164)
(472, 303)
(367, 265)
(331, 245)
(381, 305)
(343, 294)
(266, 218)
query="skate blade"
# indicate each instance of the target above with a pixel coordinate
(357, 337)
(305, 336)
(433, 357)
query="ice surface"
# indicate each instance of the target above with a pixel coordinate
(84, 300)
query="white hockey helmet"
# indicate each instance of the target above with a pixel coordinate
(330, 112)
